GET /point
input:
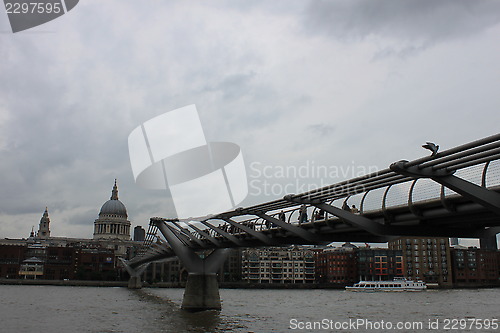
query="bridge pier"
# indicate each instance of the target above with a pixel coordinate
(135, 281)
(202, 287)
(201, 293)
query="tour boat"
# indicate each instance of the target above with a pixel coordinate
(398, 284)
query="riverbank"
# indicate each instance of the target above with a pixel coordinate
(79, 283)
(226, 285)
(244, 285)
(222, 285)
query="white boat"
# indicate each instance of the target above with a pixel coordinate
(398, 284)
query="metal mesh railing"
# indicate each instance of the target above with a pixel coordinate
(492, 178)
(398, 195)
(426, 189)
(373, 200)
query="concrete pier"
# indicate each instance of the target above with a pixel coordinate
(134, 282)
(201, 293)
(202, 288)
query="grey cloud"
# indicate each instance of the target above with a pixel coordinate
(56, 123)
(321, 129)
(421, 20)
(232, 86)
(83, 218)
(236, 85)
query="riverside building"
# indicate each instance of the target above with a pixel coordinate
(426, 258)
(293, 264)
(337, 265)
(379, 264)
(475, 267)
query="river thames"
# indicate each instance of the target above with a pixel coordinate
(106, 309)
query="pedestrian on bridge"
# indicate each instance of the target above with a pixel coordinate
(281, 216)
(320, 215)
(303, 214)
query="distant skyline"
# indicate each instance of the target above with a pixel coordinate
(350, 85)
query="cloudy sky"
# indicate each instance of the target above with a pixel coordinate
(350, 85)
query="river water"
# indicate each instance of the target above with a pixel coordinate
(93, 309)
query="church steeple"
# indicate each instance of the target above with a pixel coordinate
(44, 228)
(114, 193)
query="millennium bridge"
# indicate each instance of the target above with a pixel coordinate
(452, 193)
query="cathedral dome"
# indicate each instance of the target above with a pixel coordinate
(114, 207)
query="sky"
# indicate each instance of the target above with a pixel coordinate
(348, 85)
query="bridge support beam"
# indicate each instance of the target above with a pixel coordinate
(202, 288)
(291, 228)
(135, 281)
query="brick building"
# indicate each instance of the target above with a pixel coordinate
(337, 265)
(475, 267)
(379, 264)
(11, 257)
(426, 258)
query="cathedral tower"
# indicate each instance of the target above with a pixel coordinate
(44, 227)
(112, 222)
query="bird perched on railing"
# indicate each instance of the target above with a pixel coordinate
(432, 147)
